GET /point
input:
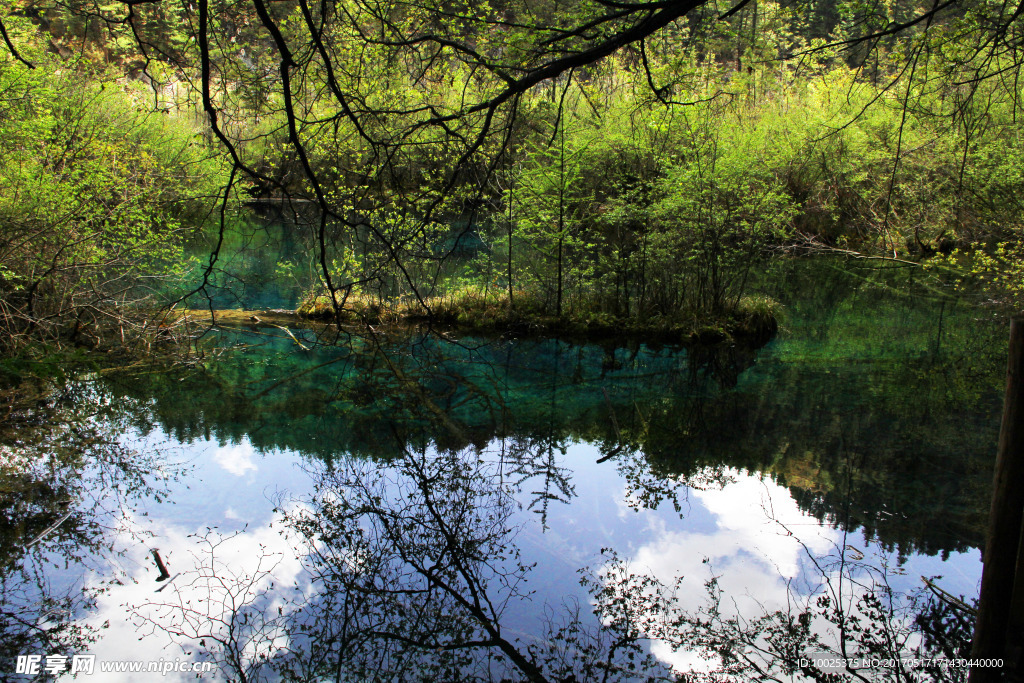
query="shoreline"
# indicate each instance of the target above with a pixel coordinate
(748, 328)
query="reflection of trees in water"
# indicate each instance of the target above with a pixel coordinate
(410, 571)
(66, 486)
(803, 424)
(828, 413)
(410, 567)
(866, 448)
(843, 622)
(222, 609)
(536, 463)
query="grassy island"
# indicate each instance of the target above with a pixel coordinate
(752, 320)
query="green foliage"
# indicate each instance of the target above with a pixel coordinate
(641, 185)
(95, 197)
(609, 204)
(996, 274)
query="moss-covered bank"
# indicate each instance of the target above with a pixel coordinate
(751, 320)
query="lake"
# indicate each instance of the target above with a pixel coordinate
(407, 506)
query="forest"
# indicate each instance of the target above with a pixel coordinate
(590, 165)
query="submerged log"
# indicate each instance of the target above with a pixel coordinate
(243, 318)
(164, 574)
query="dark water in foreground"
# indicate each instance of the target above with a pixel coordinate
(436, 509)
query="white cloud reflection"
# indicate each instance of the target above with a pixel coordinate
(247, 563)
(236, 459)
(759, 545)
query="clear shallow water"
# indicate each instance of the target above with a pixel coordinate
(865, 434)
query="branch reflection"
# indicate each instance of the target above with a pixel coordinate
(67, 490)
(411, 571)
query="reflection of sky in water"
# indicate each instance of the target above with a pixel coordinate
(738, 533)
(749, 533)
(229, 488)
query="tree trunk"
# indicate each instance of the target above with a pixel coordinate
(997, 616)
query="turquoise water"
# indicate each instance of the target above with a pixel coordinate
(306, 501)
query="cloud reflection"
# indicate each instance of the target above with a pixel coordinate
(236, 459)
(757, 548)
(260, 555)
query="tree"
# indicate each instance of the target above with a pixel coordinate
(410, 108)
(97, 198)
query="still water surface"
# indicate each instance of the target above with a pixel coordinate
(305, 502)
